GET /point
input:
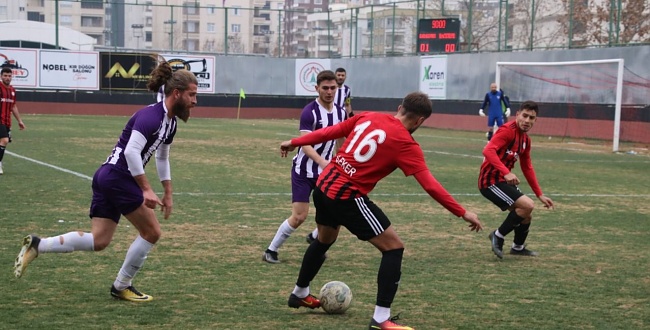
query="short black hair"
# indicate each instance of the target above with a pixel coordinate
(340, 70)
(6, 70)
(530, 105)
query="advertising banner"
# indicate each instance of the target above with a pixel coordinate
(202, 67)
(306, 72)
(125, 71)
(23, 64)
(69, 70)
(433, 76)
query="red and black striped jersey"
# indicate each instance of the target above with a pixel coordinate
(508, 145)
(376, 144)
(7, 102)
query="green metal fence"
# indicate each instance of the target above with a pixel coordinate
(287, 29)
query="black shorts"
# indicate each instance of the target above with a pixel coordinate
(5, 132)
(360, 216)
(502, 194)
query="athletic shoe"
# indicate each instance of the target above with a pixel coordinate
(130, 294)
(389, 324)
(310, 301)
(310, 238)
(270, 257)
(1, 171)
(524, 252)
(28, 252)
(497, 244)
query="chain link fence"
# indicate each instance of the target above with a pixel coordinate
(294, 29)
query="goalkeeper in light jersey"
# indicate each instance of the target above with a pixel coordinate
(498, 184)
(493, 99)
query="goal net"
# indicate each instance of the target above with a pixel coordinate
(599, 99)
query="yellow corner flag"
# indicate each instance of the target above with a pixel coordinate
(241, 93)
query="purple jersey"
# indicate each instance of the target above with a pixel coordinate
(314, 117)
(152, 122)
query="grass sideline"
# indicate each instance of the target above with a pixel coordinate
(232, 190)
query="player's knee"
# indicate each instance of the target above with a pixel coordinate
(298, 219)
(100, 244)
(151, 235)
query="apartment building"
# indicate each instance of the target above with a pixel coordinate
(219, 26)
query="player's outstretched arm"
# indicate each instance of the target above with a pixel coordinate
(286, 147)
(548, 203)
(474, 222)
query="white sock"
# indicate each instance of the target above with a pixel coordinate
(72, 241)
(301, 292)
(314, 234)
(496, 232)
(134, 260)
(517, 247)
(381, 314)
(283, 233)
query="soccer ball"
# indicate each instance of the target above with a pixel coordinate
(335, 297)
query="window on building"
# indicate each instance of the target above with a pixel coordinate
(65, 4)
(211, 9)
(190, 8)
(65, 20)
(148, 21)
(148, 36)
(91, 21)
(235, 28)
(192, 45)
(211, 27)
(318, 2)
(3, 12)
(92, 4)
(148, 7)
(35, 16)
(191, 27)
(236, 10)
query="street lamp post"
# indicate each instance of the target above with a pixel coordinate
(137, 33)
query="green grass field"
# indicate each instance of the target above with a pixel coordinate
(232, 190)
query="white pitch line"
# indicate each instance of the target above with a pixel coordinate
(50, 166)
(83, 176)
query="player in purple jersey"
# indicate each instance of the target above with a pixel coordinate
(310, 160)
(120, 186)
(343, 96)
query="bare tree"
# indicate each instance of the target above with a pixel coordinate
(601, 22)
(481, 28)
(535, 25)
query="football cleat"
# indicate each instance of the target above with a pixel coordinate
(524, 252)
(28, 252)
(310, 238)
(389, 324)
(130, 294)
(310, 301)
(270, 257)
(497, 244)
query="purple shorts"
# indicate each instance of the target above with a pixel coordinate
(301, 187)
(114, 193)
